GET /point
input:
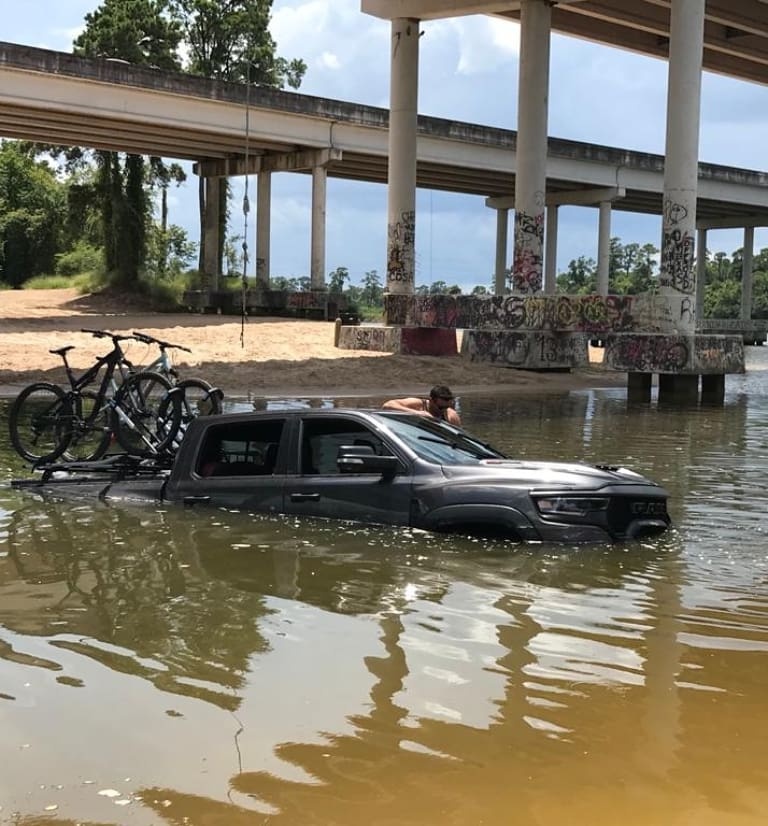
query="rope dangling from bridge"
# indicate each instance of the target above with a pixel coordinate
(246, 204)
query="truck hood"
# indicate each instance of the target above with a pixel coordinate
(544, 475)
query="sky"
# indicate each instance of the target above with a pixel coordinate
(468, 71)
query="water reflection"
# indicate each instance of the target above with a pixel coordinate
(161, 666)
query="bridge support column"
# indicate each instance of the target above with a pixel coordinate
(701, 271)
(211, 229)
(639, 387)
(403, 121)
(678, 388)
(746, 275)
(713, 388)
(677, 278)
(550, 259)
(263, 228)
(502, 242)
(603, 247)
(531, 172)
(317, 258)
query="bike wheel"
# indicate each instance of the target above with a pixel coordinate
(40, 422)
(140, 426)
(91, 428)
(198, 398)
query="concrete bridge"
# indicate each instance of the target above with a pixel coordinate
(56, 97)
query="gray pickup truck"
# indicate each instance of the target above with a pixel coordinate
(379, 467)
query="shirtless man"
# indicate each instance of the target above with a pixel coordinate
(439, 405)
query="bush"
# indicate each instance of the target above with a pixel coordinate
(81, 258)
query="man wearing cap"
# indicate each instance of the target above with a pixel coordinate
(439, 405)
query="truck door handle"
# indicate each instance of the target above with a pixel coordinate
(196, 500)
(305, 497)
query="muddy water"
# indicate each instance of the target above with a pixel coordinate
(163, 667)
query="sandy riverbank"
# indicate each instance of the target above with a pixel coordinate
(272, 357)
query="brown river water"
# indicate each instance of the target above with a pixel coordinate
(161, 666)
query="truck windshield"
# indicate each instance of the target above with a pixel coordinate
(439, 442)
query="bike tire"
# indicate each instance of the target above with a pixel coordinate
(40, 422)
(140, 426)
(92, 428)
(198, 398)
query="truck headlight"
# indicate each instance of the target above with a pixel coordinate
(570, 505)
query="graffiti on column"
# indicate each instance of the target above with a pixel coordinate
(402, 235)
(644, 353)
(529, 245)
(261, 270)
(687, 311)
(677, 250)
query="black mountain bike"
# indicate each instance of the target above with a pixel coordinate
(46, 421)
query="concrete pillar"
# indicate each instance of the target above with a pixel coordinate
(678, 389)
(317, 271)
(550, 259)
(677, 279)
(604, 247)
(713, 388)
(212, 262)
(403, 121)
(502, 241)
(701, 272)
(746, 274)
(531, 171)
(263, 228)
(639, 388)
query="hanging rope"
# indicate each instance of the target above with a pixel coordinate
(246, 205)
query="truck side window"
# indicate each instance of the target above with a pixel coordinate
(248, 449)
(322, 438)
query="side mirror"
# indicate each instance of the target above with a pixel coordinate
(363, 459)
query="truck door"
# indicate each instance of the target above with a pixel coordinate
(239, 465)
(319, 488)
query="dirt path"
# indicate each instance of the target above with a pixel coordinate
(273, 357)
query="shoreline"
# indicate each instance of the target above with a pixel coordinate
(267, 358)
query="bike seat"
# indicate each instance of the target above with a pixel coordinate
(62, 350)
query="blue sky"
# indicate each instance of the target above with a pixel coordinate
(468, 71)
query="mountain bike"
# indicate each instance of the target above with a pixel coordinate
(200, 398)
(46, 421)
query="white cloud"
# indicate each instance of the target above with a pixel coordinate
(479, 45)
(328, 60)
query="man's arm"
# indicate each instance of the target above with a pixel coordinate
(452, 417)
(410, 405)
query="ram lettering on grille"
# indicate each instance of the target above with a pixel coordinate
(649, 508)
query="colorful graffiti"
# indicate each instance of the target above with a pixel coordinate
(580, 313)
(400, 252)
(648, 353)
(528, 264)
(677, 250)
(527, 350)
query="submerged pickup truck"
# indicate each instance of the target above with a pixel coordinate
(378, 467)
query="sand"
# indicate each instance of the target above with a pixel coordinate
(265, 357)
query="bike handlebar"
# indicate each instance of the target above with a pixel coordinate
(105, 334)
(145, 338)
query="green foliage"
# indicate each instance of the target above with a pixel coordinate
(169, 251)
(85, 282)
(31, 205)
(337, 279)
(580, 278)
(231, 41)
(139, 31)
(82, 258)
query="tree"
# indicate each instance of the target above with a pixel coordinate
(372, 293)
(337, 278)
(580, 277)
(231, 41)
(141, 32)
(32, 203)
